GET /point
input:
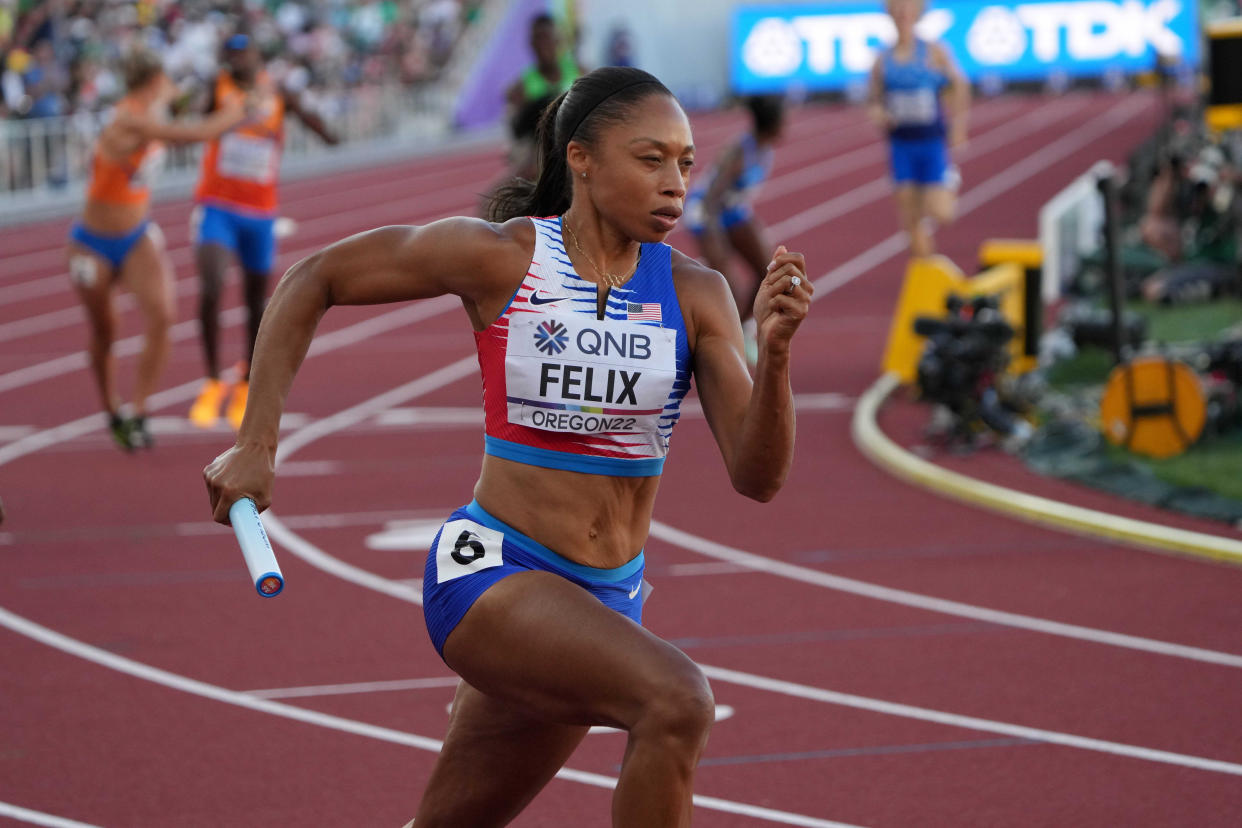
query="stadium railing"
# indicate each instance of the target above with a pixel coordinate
(40, 156)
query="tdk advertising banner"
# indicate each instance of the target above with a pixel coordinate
(829, 45)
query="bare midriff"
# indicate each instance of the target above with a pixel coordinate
(112, 219)
(593, 520)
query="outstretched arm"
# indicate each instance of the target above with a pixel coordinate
(311, 118)
(958, 94)
(752, 420)
(466, 257)
(876, 110)
(184, 131)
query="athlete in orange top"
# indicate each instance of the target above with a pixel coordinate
(237, 204)
(114, 240)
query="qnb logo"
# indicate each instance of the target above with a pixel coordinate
(551, 337)
(1087, 30)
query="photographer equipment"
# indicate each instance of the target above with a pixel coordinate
(1107, 182)
(1153, 405)
(963, 356)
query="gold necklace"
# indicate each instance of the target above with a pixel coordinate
(612, 279)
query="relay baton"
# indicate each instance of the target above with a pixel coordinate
(256, 548)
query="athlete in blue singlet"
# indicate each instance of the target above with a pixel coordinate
(589, 331)
(720, 209)
(910, 83)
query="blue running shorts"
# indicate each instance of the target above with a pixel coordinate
(921, 161)
(251, 238)
(112, 248)
(696, 216)
(474, 550)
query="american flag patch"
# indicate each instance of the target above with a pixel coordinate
(643, 311)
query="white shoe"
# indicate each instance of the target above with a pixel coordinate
(953, 178)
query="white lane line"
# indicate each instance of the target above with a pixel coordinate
(836, 207)
(815, 577)
(39, 818)
(886, 249)
(799, 179)
(129, 346)
(403, 315)
(310, 691)
(180, 253)
(873, 151)
(129, 666)
(836, 275)
(882, 186)
(1011, 177)
(906, 711)
(328, 563)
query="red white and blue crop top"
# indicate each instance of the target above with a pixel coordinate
(563, 389)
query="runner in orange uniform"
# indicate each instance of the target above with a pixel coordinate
(114, 240)
(237, 198)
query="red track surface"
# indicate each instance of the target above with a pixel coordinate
(117, 556)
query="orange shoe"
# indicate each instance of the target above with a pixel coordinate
(205, 412)
(237, 404)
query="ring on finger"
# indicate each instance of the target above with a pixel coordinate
(794, 281)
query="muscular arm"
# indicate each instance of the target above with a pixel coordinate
(752, 421)
(957, 95)
(876, 110)
(312, 120)
(477, 261)
(182, 132)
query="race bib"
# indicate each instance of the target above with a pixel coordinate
(466, 547)
(248, 158)
(912, 107)
(570, 373)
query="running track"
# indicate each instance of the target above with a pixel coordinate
(144, 684)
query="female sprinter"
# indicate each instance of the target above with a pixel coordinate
(720, 209)
(115, 241)
(907, 82)
(586, 311)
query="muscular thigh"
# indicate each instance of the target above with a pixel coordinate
(91, 276)
(540, 642)
(147, 275)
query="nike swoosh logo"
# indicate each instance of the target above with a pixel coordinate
(536, 300)
(635, 590)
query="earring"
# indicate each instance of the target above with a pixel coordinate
(584, 175)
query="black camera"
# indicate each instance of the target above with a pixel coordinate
(965, 353)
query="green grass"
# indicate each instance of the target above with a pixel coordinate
(1215, 462)
(1189, 323)
(1090, 366)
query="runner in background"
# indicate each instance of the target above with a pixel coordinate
(912, 84)
(237, 198)
(554, 70)
(115, 241)
(720, 210)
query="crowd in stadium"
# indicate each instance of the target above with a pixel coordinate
(60, 57)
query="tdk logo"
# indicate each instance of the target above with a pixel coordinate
(998, 35)
(777, 46)
(1092, 30)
